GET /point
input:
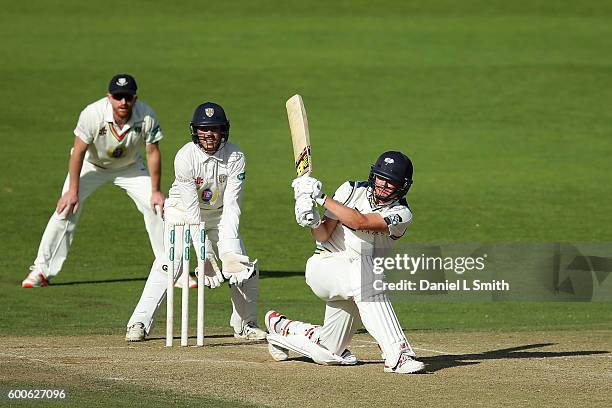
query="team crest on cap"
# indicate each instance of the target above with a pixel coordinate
(389, 160)
(209, 112)
(122, 81)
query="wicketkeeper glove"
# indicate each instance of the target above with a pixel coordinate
(238, 268)
(310, 187)
(213, 278)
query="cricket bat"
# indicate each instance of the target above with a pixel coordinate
(298, 124)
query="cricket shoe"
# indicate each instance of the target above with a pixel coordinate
(278, 353)
(135, 332)
(35, 279)
(193, 283)
(251, 332)
(406, 365)
(349, 357)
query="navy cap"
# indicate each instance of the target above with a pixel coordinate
(122, 84)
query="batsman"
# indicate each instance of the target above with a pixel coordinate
(362, 218)
(209, 179)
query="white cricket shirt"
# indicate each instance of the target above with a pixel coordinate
(110, 147)
(353, 194)
(209, 188)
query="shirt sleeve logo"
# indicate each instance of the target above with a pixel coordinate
(241, 176)
(393, 219)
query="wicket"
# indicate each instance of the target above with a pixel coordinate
(186, 234)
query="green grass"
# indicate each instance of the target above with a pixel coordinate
(504, 108)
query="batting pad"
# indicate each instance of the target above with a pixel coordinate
(303, 346)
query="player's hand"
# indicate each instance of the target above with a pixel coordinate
(310, 187)
(238, 268)
(315, 219)
(213, 278)
(172, 215)
(311, 220)
(306, 215)
(68, 204)
(157, 202)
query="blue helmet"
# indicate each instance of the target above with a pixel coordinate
(395, 167)
(209, 114)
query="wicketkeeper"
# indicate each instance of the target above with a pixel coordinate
(209, 179)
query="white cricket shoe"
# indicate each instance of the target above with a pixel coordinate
(406, 365)
(349, 358)
(135, 332)
(193, 283)
(35, 279)
(278, 353)
(251, 332)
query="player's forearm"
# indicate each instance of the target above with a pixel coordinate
(154, 166)
(347, 216)
(320, 233)
(75, 165)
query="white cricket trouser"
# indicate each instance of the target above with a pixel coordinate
(244, 298)
(336, 278)
(59, 233)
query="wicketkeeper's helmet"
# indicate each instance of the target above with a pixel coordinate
(209, 114)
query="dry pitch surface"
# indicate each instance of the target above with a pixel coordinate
(464, 368)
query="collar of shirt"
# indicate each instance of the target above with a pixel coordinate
(215, 156)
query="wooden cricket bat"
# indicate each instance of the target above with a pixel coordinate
(298, 124)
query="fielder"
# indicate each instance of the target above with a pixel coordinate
(209, 178)
(363, 217)
(110, 135)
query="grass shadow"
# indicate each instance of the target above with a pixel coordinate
(262, 274)
(441, 362)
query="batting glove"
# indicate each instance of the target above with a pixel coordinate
(305, 213)
(310, 187)
(312, 220)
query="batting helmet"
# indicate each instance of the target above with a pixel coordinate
(395, 167)
(209, 114)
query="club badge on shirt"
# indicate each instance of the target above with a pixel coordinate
(206, 195)
(117, 152)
